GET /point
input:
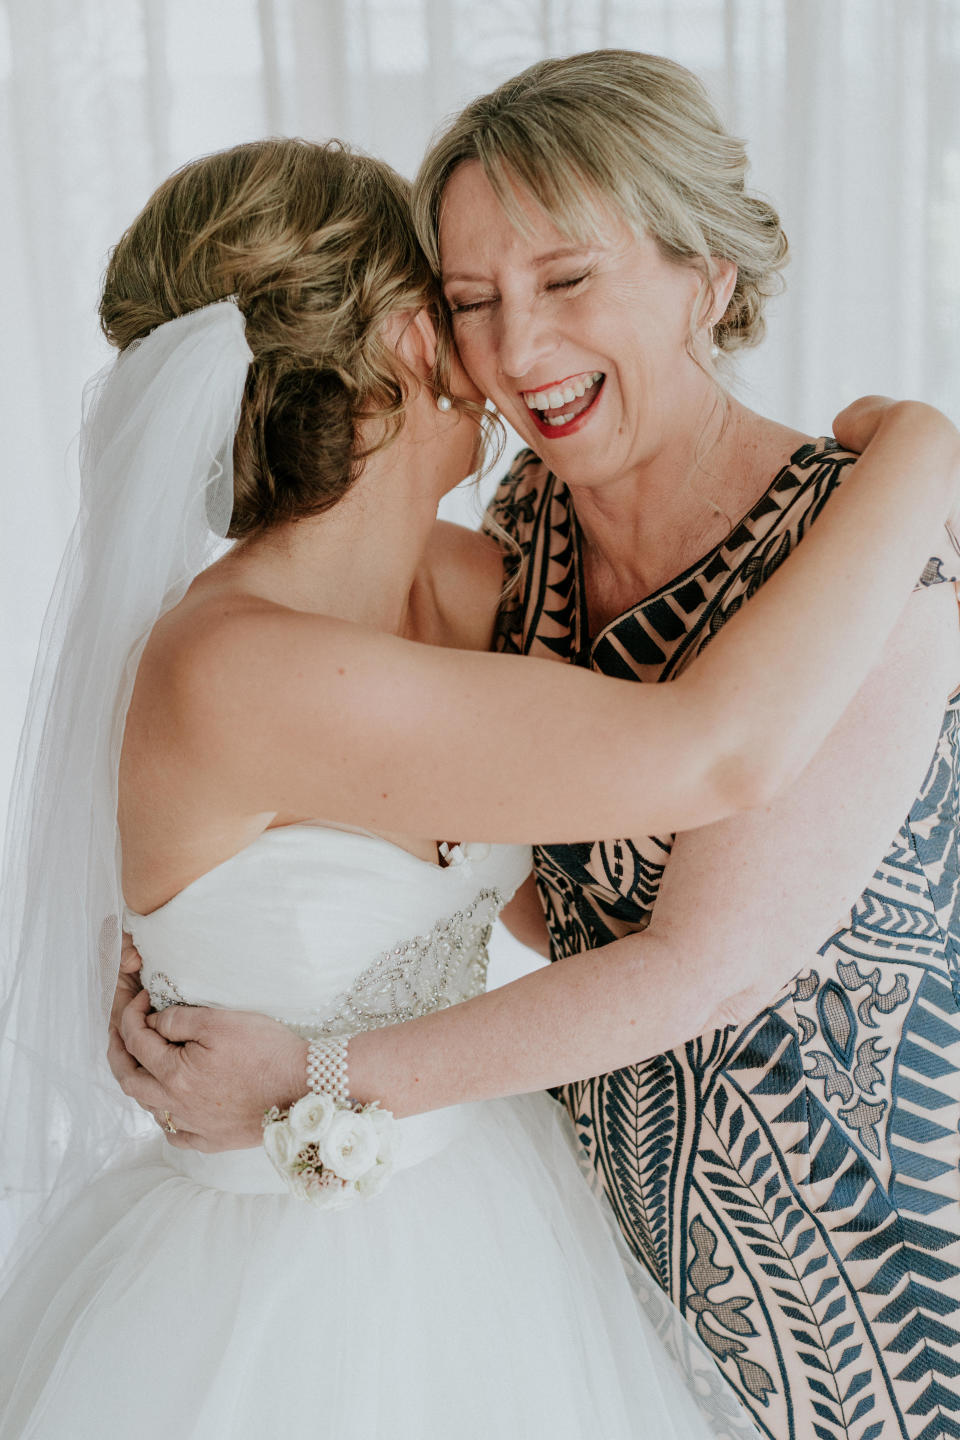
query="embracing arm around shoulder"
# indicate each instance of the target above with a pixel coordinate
(744, 905)
(305, 715)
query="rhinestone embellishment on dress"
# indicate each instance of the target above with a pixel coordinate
(163, 992)
(430, 972)
(427, 973)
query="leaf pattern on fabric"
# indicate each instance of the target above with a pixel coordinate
(726, 1315)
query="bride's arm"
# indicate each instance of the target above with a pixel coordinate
(743, 905)
(371, 730)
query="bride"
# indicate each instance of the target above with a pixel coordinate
(272, 736)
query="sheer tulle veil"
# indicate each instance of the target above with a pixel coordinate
(156, 497)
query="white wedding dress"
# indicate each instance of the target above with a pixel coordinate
(481, 1294)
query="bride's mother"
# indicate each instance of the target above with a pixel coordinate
(791, 1182)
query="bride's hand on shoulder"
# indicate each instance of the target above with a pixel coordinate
(856, 425)
(212, 1072)
(860, 422)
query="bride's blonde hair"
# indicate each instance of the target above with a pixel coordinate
(315, 241)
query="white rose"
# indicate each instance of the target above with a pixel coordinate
(374, 1180)
(350, 1146)
(385, 1128)
(311, 1117)
(279, 1144)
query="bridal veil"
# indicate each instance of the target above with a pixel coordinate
(156, 452)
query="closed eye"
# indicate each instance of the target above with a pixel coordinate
(570, 284)
(464, 307)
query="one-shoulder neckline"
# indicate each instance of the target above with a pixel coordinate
(822, 446)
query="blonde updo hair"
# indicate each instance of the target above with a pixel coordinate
(316, 244)
(632, 130)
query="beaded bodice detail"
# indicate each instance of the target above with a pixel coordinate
(430, 972)
(332, 932)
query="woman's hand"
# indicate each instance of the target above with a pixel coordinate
(856, 426)
(128, 987)
(212, 1072)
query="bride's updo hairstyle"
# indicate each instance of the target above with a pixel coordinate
(316, 244)
(632, 131)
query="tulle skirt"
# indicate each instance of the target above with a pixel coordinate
(481, 1294)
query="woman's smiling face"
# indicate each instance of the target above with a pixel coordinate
(584, 349)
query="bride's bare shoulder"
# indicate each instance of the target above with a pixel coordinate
(213, 642)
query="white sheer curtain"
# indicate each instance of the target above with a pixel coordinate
(850, 108)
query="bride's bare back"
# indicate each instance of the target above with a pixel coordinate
(174, 825)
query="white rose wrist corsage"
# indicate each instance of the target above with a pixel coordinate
(328, 1149)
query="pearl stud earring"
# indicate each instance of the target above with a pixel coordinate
(444, 403)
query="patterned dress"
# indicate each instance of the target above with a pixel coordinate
(794, 1185)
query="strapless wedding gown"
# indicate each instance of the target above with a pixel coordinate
(481, 1294)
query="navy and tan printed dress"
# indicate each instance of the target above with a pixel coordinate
(792, 1185)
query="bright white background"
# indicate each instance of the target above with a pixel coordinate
(850, 108)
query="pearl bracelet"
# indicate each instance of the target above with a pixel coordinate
(330, 1150)
(327, 1068)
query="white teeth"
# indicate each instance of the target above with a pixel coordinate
(559, 395)
(557, 419)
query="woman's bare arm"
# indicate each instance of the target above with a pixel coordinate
(305, 715)
(743, 905)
